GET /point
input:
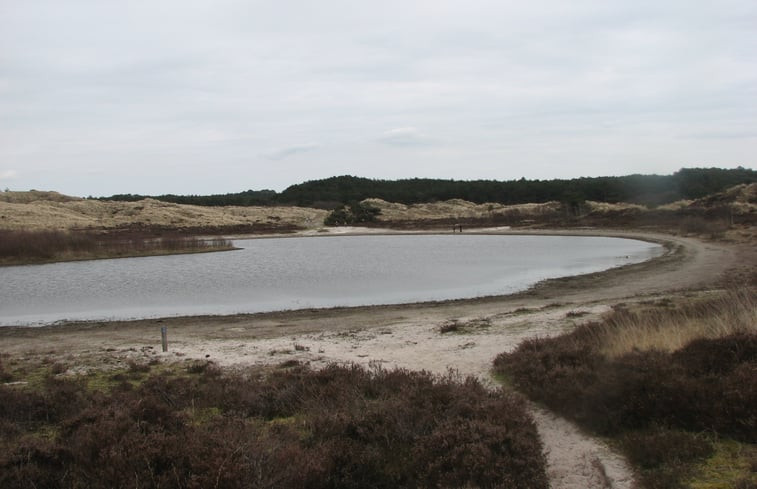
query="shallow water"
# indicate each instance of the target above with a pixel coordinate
(296, 273)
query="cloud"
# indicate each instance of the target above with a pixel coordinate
(719, 134)
(404, 136)
(8, 174)
(281, 153)
(510, 88)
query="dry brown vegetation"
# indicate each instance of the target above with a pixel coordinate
(24, 247)
(460, 209)
(41, 227)
(339, 427)
(710, 216)
(669, 326)
(49, 210)
(672, 384)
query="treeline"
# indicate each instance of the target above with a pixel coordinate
(246, 198)
(687, 183)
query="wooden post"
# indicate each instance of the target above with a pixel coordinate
(164, 337)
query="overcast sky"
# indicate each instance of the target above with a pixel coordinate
(197, 96)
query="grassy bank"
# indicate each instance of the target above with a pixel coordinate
(340, 427)
(674, 385)
(28, 247)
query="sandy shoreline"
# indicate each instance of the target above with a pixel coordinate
(662, 274)
(409, 336)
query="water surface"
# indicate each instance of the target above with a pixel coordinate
(296, 273)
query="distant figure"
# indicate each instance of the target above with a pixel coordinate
(461, 228)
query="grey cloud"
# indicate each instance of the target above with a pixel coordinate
(511, 88)
(8, 175)
(281, 153)
(724, 135)
(404, 136)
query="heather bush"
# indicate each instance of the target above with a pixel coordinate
(655, 403)
(340, 427)
(663, 457)
(703, 225)
(650, 449)
(708, 385)
(718, 356)
(5, 375)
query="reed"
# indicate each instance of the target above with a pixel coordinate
(21, 247)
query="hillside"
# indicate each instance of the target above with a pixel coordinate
(50, 210)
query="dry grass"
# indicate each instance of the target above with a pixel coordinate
(35, 195)
(36, 210)
(461, 209)
(670, 329)
(48, 210)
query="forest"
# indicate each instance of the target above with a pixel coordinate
(330, 193)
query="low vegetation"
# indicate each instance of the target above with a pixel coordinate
(574, 203)
(669, 326)
(674, 386)
(354, 213)
(340, 427)
(21, 247)
(465, 327)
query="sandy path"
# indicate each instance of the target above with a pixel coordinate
(575, 460)
(408, 336)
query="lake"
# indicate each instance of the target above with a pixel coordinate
(296, 273)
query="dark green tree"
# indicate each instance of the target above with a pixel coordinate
(354, 213)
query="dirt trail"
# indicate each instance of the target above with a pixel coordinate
(575, 460)
(408, 336)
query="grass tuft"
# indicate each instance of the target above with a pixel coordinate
(732, 465)
(470, 326)
(670, 329)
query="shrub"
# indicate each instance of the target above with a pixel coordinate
(5, 375)
(354, 213)
(650, 449)
(702, 225)
(655, 403)
(340, 427)
(690, 389)
(663, 456)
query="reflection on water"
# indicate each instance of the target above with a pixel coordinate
(295, 273)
